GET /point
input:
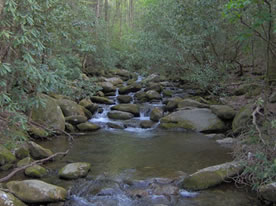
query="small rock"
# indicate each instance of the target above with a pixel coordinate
(120, 115)
(37, 132)
(35, 171)
(101, 100)
(153, 95)
(228, 140)
(145, 124)
(6, 157)
(22, 152)
(156, 114)
(75, 170)
(69, 127)
(131, 88)
(88, 127)
(38, 152)
(115, 126)
(24, 162)
(124, 99)
(70, 108)
(107, 87)
(191, 103)
(172, 104)
(223, 111)
(131, 108)
(76, 119)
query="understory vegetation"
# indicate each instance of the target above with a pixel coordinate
(47, 46)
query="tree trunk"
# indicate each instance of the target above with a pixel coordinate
(131, 11)
(98, 9)
(106, 10)
(2, 3)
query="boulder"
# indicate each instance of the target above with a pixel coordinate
(37, 132)
(120, 115)
(268, 192)
(22, 151)
(88, 127)
(124, 99)
(167, 93)
(131, 108)
(101, 100)
(87, 113)
(145, 124)
(36, 191)
(153, 95)
(242, 118)
(75, 170)
(156, 114)
(6, 157)
(114, 80)
(107, 87)
(7, 199)
(152, 78)
(191, 103)
(141, 96)
(70, 108)
(172, 104)
(38, 152)
(223, 111)
(201, 120)
(154, 86)
(76, 119)
(211, 176)
(49, 113)
(24, 162)
(88, 104)
(131, 88)
(35, 171)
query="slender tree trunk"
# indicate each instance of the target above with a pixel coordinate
(2, 3)
(98, 9)
(131, 11)
(106, 10)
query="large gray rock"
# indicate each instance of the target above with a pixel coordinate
(101, 100)
(7, 199)
(268, 191)
(201, 120)
(75, 170)
(212, 176)
(88, 127)
(49, 113)
(39, 152)
(36, 191)
(242, 118)
(70, 108)
(6, 157)
(120, 115)
(223, 111)
(131, 108)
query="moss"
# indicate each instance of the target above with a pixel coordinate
(35, 171)
(6, 157)
(242, 117)
(184, 125)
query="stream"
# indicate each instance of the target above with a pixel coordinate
(142, 167)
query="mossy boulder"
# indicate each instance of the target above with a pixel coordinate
(172, 104)
(153, 95)
(107, 87)
(6, 157)
(75, 170)
(124, 99)
(152, 78)
(156, 114)
(154, 86)
(141, 96)
(8, 199)
(70, 108)
(38, 152)
(88, 127)
(37, 132)
(36, 171)
(249, 89)
(36, 191)
(120, 115)
(242, 118)
(131, 108)
(114, 80)
(201, 120)
(191, 103)
(76, 119)
(24, 162)
(167, 93)
(268, 192)
(145, 124)
(224, 112)
(135, 87)
(50, 114)
(101, 100)
(88, 104)
(69, 128)
(22, 151)
(115, 125)
(211, 176)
